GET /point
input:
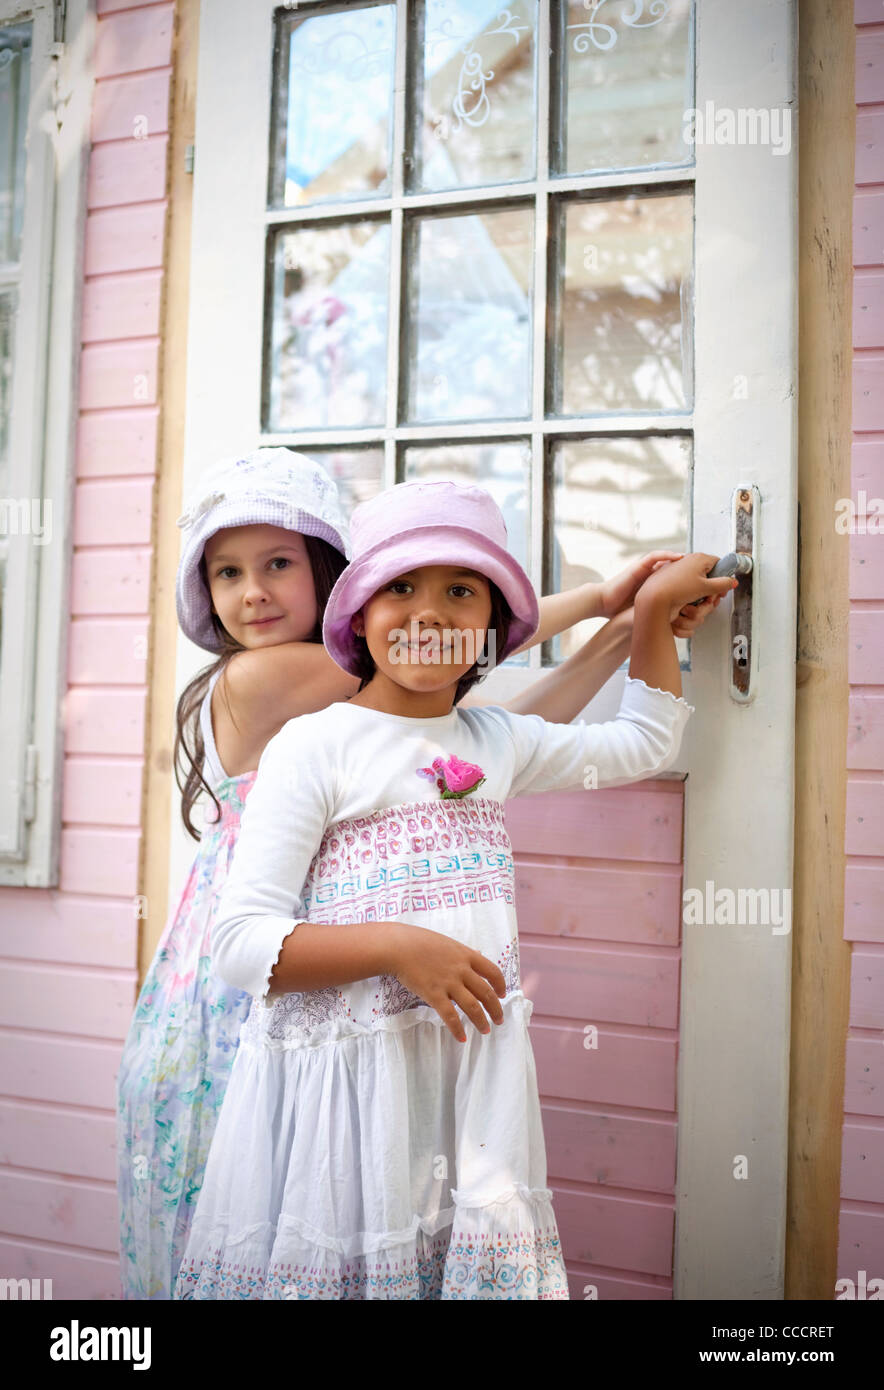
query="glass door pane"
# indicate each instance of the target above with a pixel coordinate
(612, 500)
(327, 306)
(358, 473)
(469, 308)
(624, 305)
(15, 85)
(623, 77)
(472, 95)
(331, 123)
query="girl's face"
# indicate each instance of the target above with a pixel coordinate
(261, 584)
(426, 628)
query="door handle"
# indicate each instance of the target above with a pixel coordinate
(740, 562)
(745, 508)
(725, 568)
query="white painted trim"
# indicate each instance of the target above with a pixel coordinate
(226, 274)
(29, 358)
(47, 450)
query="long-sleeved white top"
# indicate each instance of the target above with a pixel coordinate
(345, 777)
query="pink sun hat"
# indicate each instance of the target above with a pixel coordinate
(415, 524)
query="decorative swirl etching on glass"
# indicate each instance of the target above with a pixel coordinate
(633, 19)
(473, 79)
(330, 57)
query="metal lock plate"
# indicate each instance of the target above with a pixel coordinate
(744, 518)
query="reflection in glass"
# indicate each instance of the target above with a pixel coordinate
(358, 473)
(469, 304)
(614, 500)
(625, 78)
(502, 468)
(15, 75)
(332, 100)
(624, 309)
(473, 114)
(328, 361)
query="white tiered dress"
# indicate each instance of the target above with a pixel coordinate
(362, 1151)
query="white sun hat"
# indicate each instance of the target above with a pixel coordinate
(269, 487)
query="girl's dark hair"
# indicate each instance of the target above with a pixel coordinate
(189, 756)
(498, 623)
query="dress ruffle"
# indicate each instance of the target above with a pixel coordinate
(509, 1249)
(353, 1176)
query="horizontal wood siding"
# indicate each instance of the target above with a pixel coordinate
(598, 894)
(68, 957)
(861, 1227)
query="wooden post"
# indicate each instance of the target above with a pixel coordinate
(821, 956)
(159, 780)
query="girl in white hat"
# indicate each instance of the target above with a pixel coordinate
(372, 1143)
(264, 542)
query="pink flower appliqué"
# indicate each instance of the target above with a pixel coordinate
(453, 777)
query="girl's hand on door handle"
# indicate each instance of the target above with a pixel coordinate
(618, 593)
(685, 621)
(680, 582)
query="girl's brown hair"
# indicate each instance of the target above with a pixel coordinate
(498, 623)
(189, 756)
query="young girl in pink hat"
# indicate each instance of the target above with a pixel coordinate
(380, 1138)
(264, 540)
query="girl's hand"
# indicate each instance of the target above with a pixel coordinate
(686, 621)
(619, 593)
(444, 972)
(675, 585)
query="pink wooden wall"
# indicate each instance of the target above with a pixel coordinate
(861, 1232)
(598, 894)
(68, 958)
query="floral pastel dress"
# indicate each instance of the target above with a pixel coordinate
(177, 1057)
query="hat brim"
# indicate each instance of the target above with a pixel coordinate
(426, 545)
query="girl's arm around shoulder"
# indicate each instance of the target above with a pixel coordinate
(642, 740)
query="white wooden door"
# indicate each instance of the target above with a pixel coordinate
(591, 174)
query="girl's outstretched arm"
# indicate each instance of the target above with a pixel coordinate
(560, 694)
(558, 612)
